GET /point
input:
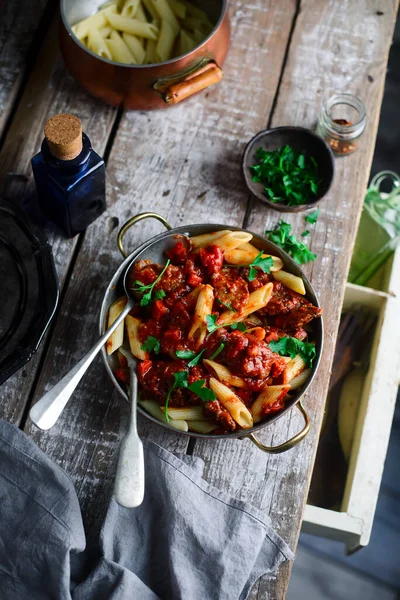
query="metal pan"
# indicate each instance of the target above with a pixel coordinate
(154, 250)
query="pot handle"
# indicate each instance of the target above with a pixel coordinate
(132, 221)
(180, 91)
(290, 443)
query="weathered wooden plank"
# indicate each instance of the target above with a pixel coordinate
(184, 163)
(335, 46)
(16, 35)
(49, 90)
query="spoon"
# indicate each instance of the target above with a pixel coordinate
(45, 413)
(129, 480)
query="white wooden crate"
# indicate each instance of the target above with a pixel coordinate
(353, 523)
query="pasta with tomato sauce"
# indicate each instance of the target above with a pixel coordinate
(218, 340)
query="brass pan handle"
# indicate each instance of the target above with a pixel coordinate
(180, 91)
(290, 443)
(132, 221)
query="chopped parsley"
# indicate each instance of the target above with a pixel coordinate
(185, 354)
(290, 346)
(212, 326)
(239, 326)
(312, 217)
(152, 344)
(190, 355)
(159, 294)
(288, 176)
(282, 237)
(305, 233)
(140, 288)
(228, 306)
(264, 264)
(197, 387)
(218, 351)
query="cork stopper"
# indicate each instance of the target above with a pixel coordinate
(63, 134)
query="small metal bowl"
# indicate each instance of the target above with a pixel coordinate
(301, 140)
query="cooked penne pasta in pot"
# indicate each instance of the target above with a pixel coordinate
(167, 29)
(219, 346)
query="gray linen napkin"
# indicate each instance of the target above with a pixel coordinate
(187, 541)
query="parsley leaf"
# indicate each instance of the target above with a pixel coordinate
(305, 233)
(282, 237)
(185, 354)
(140, 288)
(264, 264)
(288, 176)
(228, 306)
(312, 217)
(212, 326)
(151, 345)
(290, 346)
(211, 321)
(197, 387)
(180, 380)
(238, 326)
(196, 360)
(159, 294)
(218, 351)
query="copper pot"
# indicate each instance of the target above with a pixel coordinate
(145, 87)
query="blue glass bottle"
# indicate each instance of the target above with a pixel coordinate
(71, 193)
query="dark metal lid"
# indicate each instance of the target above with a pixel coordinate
(29, 288)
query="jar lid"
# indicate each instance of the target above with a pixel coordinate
(63, 134)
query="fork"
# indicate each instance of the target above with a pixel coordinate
(129, 479)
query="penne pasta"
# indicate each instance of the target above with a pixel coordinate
(257, 299)
(232, 403)
(291, 281)
(223, 374)
(240, 256)
(194, 11)
(81, 29)
(98, 45)
(269, 396)
(190, 413)
(165, 13)
(232, 240)
(298, 381)
(202, 426)
(115, 340)
(179, 8)
(140, 14)
(165, 41)
(186, 43)
(130, 8)
(136, 47)
(193, 24)
(132, 26)
(206, 239)
(150, 9)
(119, 50)
(105, 31)
(203, 308)
(132, 327)
(198, 35)
(155, 411)
(293, 368)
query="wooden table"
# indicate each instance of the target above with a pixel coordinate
(286, 58)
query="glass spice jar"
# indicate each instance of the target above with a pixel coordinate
(342, 122)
